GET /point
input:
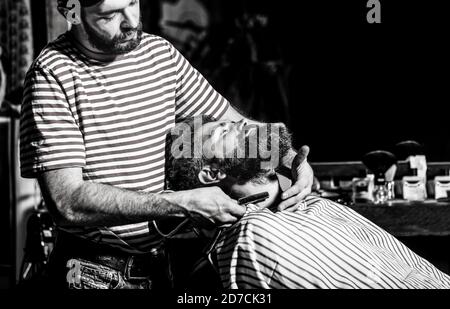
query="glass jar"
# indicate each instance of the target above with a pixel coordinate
(380, 191)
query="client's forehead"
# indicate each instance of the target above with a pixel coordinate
(204, 131)
(209, 125)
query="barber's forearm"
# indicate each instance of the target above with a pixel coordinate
(75, 202)
(94, 204)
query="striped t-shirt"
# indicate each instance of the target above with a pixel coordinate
(110, 119)
(321, 245)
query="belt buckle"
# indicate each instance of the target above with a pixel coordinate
(128, 274)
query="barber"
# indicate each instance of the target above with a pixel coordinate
(98, 102)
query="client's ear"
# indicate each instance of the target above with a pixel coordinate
(209, 175)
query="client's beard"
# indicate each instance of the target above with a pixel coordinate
(277, 142)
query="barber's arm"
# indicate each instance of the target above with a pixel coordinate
(302, 173)
(75, 202)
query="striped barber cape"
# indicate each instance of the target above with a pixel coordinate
(321, 245)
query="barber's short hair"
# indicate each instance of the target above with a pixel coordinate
(84, 3)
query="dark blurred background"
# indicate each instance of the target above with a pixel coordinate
(344, 87)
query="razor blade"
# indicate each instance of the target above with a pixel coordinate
(253, 199)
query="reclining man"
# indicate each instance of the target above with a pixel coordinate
(321, 244)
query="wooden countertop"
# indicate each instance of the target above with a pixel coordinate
(403, 218)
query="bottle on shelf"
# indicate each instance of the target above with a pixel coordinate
(383, 165)
(414, 187)
(442, 185)
(380, 190)
(362, 188)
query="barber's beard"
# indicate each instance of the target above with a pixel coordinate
(117, 45)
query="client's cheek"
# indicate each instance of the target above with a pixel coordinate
(264, 204)
(208, 149)
(269, 202)
(237, 191)
(219, 149)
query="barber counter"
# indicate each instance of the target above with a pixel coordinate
(404, 219)
(424, 226)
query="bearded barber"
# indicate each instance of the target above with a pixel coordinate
(98, 102)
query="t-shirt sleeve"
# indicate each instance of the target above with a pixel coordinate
(50, 137)
(194, 95)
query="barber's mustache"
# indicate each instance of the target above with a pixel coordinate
(128, 31)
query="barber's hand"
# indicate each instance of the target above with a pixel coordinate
(212, 206)
(303, 178)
